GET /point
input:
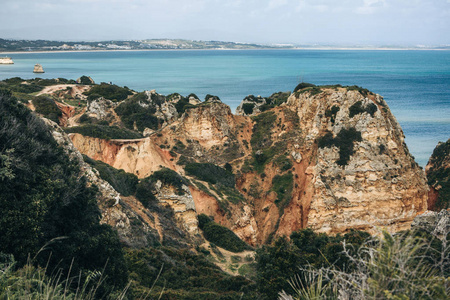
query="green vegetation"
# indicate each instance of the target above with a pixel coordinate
(211, 173)
(277, 263)
(261, 130)
(282, 185)
(123, 182)
(248, 108)
(404, 266)
(220, 235)
(332, 112)
(48, 212)
(344, 140)
(144, 192)
(170, 177)
(439, 174)
(209, 97)
(85, 80)
(361, 90)
(104, 132)
(108, 91)
(358, 108)
(303, 85)
(183, 275)
(48, 108)
(132, 113)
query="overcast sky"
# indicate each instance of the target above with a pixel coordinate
(350, 22)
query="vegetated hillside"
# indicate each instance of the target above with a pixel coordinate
(316, 159)
(50, 203)
(438, 174)
(48, 212)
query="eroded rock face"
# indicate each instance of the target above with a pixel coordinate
(379, 185)
(137, 226)
(341, 152)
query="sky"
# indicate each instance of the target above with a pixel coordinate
(325, 22)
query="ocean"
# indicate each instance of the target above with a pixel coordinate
(415, 84)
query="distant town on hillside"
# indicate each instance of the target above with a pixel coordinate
(10, 45)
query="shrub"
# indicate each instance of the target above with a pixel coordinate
(282, 185)
(261, 137)
(303, 85)
(211, 173)
(131, 113)
(344, 140)
(390, 267)
(108, 91)
(48, 108)
(104, 132)
(221, 236)
(332, 112)
(123, 182)
(248, 108)
(144, 192)
(85, 80)
(209, 97)
(170, 177)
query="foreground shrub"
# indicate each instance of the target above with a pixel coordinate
(406, 266)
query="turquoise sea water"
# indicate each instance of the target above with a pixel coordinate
(415, 84)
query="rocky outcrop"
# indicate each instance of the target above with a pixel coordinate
(438, 174)
(251, 105)
(378, 184)
(332, 159)
(103, 110)
(38, 69)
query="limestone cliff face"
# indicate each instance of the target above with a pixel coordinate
(136, 225)
(380, 185)
(331, 159)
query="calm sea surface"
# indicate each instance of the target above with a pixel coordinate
(415, 84)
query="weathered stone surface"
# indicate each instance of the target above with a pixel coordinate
(436, 223)
(379, 186)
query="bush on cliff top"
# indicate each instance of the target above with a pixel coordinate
(108, 91)
(131, 113)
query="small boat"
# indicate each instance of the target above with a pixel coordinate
(38, 69)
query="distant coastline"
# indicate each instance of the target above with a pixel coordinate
(231, 49)
(42, 46)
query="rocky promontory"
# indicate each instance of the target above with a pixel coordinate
(330, 158)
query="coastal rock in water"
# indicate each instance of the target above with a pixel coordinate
(38, 69)
(6, 61)
(438, 174)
